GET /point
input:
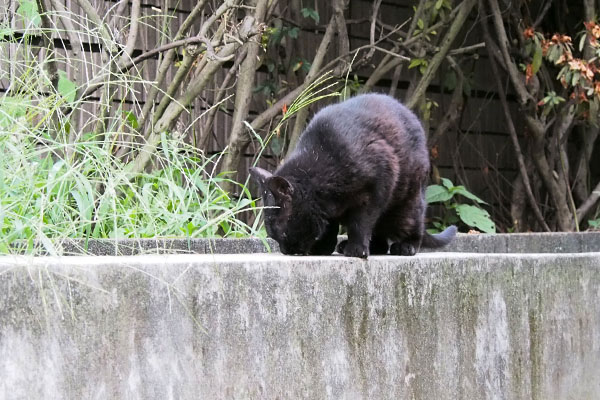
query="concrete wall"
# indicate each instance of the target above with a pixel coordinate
(555, 242)
(257, 326)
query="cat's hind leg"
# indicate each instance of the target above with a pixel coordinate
(404, 248)
(403, 223)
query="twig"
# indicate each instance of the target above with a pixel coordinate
(376, 5)
(391, 53)
(513, 133)
(69, 28)
(590, 202)
(467, 49)
(542, 14)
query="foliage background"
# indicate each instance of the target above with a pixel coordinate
(128, 90)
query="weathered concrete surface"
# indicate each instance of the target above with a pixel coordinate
(128, 247)
(248, 326)
(479, 243)
(555, 242)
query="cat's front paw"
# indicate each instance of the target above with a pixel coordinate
(402, 249)
(355, 250)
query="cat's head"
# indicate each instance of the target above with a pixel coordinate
(290, 218)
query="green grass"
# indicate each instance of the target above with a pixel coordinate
(44, 195)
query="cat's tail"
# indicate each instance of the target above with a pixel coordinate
(439, 239)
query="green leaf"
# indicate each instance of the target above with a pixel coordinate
(84, 197)
(29, 11)
(537, 59)
(437, 193)
(450, 80)
(310, 13)
(275, 35)
(582, 42)
(447, 183)
(306, 65)
(131, 119)
(293, 32)
(12, 108)
(464, 192)
(575, 79)
(415, 62)
(554, 54)
(476, 217)
(6, 32)
(47, 243)
(277, 145)
(66, 88)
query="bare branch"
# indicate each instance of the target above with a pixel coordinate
(69, 28)
(312, 73)
(182, 72)
(467, 49)
(387, 64)
(452, 114)
(51, 68)
(374, 14)
(168, 58)
(243, 96)
(133, 30)
(247, 29)
(434, 64)
(590, 202)
(513, 135)
(340, 21)
(98, 82)
(92, 14)
(511, 67)
(219, 95)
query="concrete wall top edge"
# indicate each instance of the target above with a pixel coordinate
(558, 242)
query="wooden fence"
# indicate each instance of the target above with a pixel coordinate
(478, 155)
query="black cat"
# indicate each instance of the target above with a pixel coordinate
(362, 163)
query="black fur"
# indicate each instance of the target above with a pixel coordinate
(362, 163)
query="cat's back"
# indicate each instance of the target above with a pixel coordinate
(360, 119)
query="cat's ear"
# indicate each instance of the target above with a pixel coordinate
(281, 188)
(260, 175)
